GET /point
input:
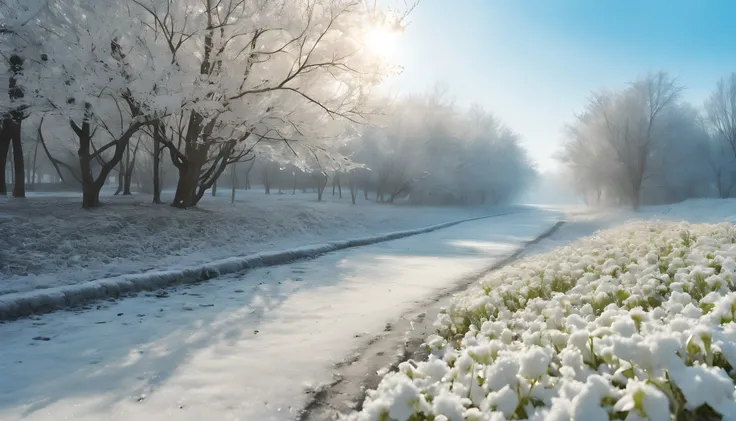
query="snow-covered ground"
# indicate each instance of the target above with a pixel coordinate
(246, 347)
(48, 240)
(634, 323)
(250, 346)
(582, 221)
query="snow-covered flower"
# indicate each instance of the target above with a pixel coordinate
(633, 323)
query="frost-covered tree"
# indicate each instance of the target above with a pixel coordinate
(206, 81)
(641, 144)
(429, 151)
(720, 109)
(89, 81)
(619, 142)
(17, 37)
(681, 160)
(248, 72)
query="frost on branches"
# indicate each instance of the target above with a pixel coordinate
(635, 323)
(204, 81)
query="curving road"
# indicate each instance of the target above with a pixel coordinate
(243, 347)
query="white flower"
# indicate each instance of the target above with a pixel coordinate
(635, 304)
(701, 384)
(449, 405)
(505, 400)
(502, 373)
(647, 400)
(535, 361)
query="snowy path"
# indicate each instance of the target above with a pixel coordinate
(244, 347)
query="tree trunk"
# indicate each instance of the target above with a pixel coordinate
(19, 180)
(214, 188)
(127, 181)
(336, 183)
(636, 192)
(233, 180)
(28, 166)
(129, 167)
(247, 173)
(90, 190)
(379, 191)
(353, 188)
(190, 166)
(121, 177)
(90, 196)
(157, 164)
(191, 185)
(34, 166)
(635, 202)
(91, 186)
(186, 185)
(11, 127)
(321, 187)
(12, 170)
(4, 149)
(266, 180)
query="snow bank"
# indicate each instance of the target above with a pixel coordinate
(633, 323)
(49, 241)
(15, 305)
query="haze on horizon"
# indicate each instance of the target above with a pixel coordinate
(534, 64)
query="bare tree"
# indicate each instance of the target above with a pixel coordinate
(159, 132)
(10, 131)
(336, 183)
(721, 111)
(269, 173)
(631, 126)
(15, 19)
(233, 181)
(248, 168)
(130, 166)
(353, 185)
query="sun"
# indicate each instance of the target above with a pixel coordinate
(383, 42)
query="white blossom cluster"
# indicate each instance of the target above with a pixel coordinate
(634, 323)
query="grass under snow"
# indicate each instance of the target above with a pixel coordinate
(48, 240)
(633, 323)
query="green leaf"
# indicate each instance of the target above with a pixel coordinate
(639, 400)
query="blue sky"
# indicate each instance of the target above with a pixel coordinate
(534, 62)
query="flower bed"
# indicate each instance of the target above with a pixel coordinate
(634, 323)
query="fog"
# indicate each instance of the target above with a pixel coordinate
(644, 144)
